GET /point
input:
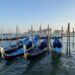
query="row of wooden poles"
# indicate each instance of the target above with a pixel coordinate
(68, 49)
(17, 36)
(40, 31)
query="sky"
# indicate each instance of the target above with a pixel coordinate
(25, 13)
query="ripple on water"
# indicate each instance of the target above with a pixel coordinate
(43, 65)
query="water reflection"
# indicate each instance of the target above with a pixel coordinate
(55, 65)
(33, 63)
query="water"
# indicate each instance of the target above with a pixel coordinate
(43, 65)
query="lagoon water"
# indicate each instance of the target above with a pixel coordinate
(43, 65)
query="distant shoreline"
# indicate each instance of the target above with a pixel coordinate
(7, 39)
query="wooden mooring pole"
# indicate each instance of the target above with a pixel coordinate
(17, 34)
(62, 34)
(73, 37)
(28, 33)
(32, 32)
(9, 38)
(67, 43)
(40, 32)
(69, 38)
(48, 38)
(68, 51)
(2, 37)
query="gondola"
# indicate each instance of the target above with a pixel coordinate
(15, 47)
(21, 51)
(42, 48)
(57, 47)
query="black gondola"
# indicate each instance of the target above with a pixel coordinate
(57, 47)
(20, 52)
(15, 47)
(42, 48)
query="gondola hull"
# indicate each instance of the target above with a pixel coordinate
(56, 52)
(19, 52)
(42, 48)
(14, 55)
(9, 58)
(15, 47)
(57, 47)
(8, 51)
(35, 55)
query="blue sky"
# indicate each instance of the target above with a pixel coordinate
(35, 12)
